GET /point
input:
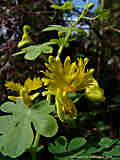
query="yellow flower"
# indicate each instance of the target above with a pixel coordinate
(70, 77)
(26, 39)
(13, 86)
(25, 89)
(65, 106)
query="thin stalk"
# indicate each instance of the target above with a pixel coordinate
(65, 40)
(36, 142)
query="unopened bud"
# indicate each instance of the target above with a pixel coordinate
(90, 5)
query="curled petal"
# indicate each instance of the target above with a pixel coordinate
(51, 60)
(67, 64)
(65, 107)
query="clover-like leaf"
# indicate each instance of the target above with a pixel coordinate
(17, 134)
(106, 142)
(34, 51)
(59, 146)
(76, 143)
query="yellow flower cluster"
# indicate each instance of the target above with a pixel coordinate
(70, 77)
(25, 89)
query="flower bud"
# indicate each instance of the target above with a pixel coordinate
(95, 94)
(90, 5)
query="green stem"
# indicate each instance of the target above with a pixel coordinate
(70, 30)
(65, 40)
(34, 156)
(36, 142)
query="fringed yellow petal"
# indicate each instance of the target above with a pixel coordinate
(13, 86)
(45, 81)
(28, 85)
(34, 84)
(59, 67)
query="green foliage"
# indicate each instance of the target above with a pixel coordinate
(79, 148)
(103, 13)
(106, 142)
(21, 129)
(66, 6)
(16, 130)
(64, 150)
(58, 28)
(34, 51)
(76, 143)
(59, 146)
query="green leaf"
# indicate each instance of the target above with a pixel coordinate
(59, 146)
(34, 51)
(114, 152)
(93, 150)
(17, 140)
(66, 6)
(103, 13)
(58, 28)
(106, 142)
(76, 143)
(43, 107)
(17, 134)
(45, 124)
